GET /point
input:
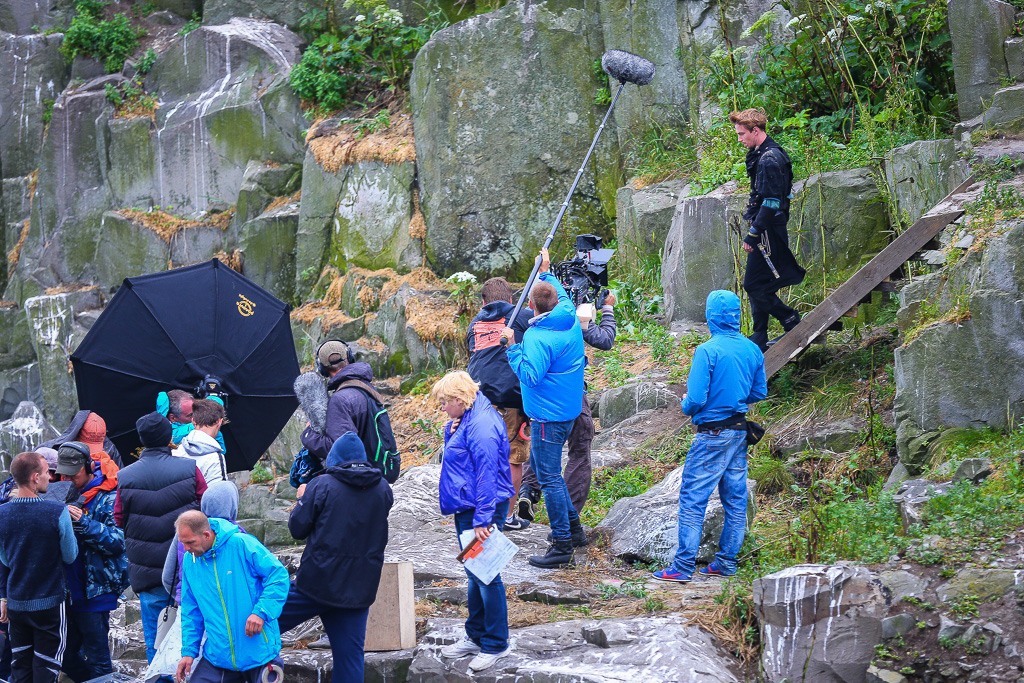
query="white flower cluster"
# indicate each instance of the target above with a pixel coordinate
(462, 277)
(360, 18)
(390, 16)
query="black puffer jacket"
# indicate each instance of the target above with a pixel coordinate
(344, 514)
(151, 493)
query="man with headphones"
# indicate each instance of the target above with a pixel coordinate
(355, 406)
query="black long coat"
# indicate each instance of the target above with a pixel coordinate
(771, 184)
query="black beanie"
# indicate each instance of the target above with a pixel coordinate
(154, 430)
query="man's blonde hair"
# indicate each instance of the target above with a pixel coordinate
(458, 385)
(750, 119)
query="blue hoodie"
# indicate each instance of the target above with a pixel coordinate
(727, 371)
(550, 361)
(233, 579)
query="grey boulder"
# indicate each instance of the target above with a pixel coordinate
(23, 431)
(646, 527)
(819, 623)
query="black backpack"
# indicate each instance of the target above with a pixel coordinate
(379, 440)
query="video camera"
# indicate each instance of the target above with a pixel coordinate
(211, 386)
(585, 277)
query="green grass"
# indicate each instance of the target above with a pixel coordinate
(610, 486)
(771, 474)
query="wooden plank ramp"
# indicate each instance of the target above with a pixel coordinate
(865, 280)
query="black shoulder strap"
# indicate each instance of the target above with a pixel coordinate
(362, 386)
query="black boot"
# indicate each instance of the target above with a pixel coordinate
(791, 322)
(559, 555)
(578, 535)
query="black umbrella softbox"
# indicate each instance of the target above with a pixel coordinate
(168, 331)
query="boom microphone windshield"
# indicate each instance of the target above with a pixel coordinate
(311, 390)
(626, 67)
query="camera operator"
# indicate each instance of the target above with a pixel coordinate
(578, 470)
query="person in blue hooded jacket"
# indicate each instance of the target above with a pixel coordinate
(232, 588)
(726, 376)
(343, 516)
(475, 486)
(549, 364)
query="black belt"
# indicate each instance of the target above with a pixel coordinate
(737, 422)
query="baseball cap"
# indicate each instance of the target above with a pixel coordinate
(72, 456)
(50, 455)
(332, 352)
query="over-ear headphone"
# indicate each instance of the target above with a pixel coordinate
(325, 368)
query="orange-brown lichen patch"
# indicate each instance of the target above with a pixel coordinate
(14, 254)
(167, 225)
(341, 146)
(281, 201)
(232, 260)
(68, 288)
(435, 318)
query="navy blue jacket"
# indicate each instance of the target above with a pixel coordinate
(347, 411)
(344, 516)
(475, 473)
(550, 361)
(488, 364)
(727, 371)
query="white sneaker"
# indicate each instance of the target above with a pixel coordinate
(485, 659)
(460, 649)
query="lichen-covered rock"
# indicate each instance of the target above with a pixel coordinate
(282, 12)
(1006, 114)
(18, 385)
(911, 497)
(224, 101)
(34, 74)
(700, 249)
(986, 584)
(979, 29)
(23, 431)
(31, 16)
(401, 326)
(819, 623)
(15, 337)
(935, 386)
(652, 649)
(922, 173)
(837, 436)
(71, 194)
(646, 527)
(643, 219)
(53, 329)
(620, 403)
(500, 135)
(838, 218)
(267, 244)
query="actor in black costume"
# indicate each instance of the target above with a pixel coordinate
(770, 264)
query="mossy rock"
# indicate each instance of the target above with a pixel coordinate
(268, 245)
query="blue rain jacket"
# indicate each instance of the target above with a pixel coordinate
(475, 473)
(727, 372)
(233, 579)
(550, 361)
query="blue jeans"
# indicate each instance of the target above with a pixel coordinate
(546, 441)
(152, 601)
(487, 625)
(713, 461)
(346, 629)
(88, 651)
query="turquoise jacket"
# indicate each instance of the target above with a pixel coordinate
(550, 361)
(233, 579)
(727, 372)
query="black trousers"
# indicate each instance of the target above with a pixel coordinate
(38, 640)
(766, 305)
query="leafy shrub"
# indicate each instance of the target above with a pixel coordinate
(260, 474)
(611, 486)
(194, 22)
(111, 41)
(330, 70)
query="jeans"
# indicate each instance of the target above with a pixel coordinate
(547, 439)
(487, 625)
(578, 470)
(5, 658)
(88, 653)
(346, 629)
(713, 461)
(152, 601)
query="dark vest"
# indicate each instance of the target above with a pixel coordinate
(30, 537)
(154, 491)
